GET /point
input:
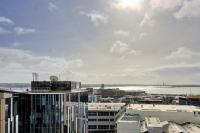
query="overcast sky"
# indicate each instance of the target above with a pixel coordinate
(101, 41)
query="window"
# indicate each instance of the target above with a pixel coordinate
(112, 127)
(92, 127)
(92, 119)
(92, 114)
(103, 127)
(111, 119)
(103, 119)
(112, 113)
(103, 114)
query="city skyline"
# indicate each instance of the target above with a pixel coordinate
(101, 41)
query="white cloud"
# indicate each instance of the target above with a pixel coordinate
(165, 4)
(5, 20)
(142, 35)
(122, 49)
(135, 5)
(23, 31)
(3, 31)
(147, 20)
(190, 8)
(134, 52)
(52, 7)
(21, 62)
(121, 33)
(182, 53)
(119, 47)
(96, 17)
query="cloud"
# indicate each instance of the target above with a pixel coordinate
(22, 62)
(177, 73)
(5, 20)
(135, 5)
(23, 31)
(190, 8)
(52, 7)
(142, 35)
(3, 31)
(134, 52)
(165, 4)
(121, 33)
(147, 20)
(119, 47)
(122, 49)
(183, 53)
(96, 17)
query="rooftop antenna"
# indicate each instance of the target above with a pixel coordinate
(35, 76)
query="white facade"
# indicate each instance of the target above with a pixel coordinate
(154, 125)
(102, 116)
(176, 113)
(128, 124)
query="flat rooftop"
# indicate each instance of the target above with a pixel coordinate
(154, 122)
(192, 128)
(167, 108)
(126, 117)
(105, 106)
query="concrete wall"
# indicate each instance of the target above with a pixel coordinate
(155, 130)
(128, 127)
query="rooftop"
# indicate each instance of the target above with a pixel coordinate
(129, 118)
(105, 106)
(168, 108)
(192, 128)
(154, 122)
(175, 128)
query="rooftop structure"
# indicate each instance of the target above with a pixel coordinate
(160, 107)
(105, 106)
(192, 128)
(177, 113)
(154, 125)
(175, 128)
(128, 123)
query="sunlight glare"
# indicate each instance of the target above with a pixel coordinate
(129, 4)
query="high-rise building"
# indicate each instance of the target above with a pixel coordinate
(51, 107)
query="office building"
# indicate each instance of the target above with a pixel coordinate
(102, 117)
(190, 100)
(49, 107)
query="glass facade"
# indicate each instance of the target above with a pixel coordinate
(52, 112)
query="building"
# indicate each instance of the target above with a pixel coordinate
(154, 125)
(102, 117)
(176, 113)
(8, 113)
(128, 123)
(51, 106)
(190, 100)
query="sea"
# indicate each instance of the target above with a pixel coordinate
(161, 89)
(148, 89)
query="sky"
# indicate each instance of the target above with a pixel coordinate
(101, 41)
